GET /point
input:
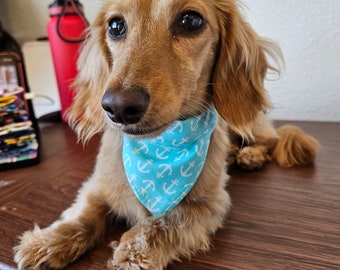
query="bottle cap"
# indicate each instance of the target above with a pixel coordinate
(64, 6)
(58, 3)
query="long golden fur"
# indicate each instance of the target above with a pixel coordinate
(183, 70)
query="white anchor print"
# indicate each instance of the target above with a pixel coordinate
(127, 160)
(180, 198)
(167, 169)
(151, 207)
(178, 125)
(206, 122)
(195, 123)
(161, 155)
(133, 177)
(144, 147)
(177, 144)
(184, 193)
(200, 149)
(167, 190)
(150, 184)
(183, 153)
(142, 168)
(159, 139)
(190, 185)
(199, 168)
(185, 172)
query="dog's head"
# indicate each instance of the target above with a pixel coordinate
(149, 63)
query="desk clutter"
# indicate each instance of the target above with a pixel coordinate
(18, 139)
(19, 133)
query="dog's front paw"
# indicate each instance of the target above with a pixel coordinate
(49, 248)
(131, 255)
(36, 250)
(251, 158)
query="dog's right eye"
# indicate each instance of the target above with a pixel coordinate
(117, 28)
(189, 23)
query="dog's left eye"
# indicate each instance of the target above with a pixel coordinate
(189, 23)
(117, 28)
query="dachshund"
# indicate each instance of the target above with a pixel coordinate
(176, 88)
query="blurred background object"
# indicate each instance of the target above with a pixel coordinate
(308, 32)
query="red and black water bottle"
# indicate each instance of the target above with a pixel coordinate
(66, 29)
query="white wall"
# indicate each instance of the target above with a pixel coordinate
(307, 30)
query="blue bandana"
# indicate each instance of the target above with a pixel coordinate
(162, 170)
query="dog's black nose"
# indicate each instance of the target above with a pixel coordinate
(126, 107)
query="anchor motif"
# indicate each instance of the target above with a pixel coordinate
(199, 168)
(150, 184)
(142, 168)
(195, 124)
(178, 125)
(161, 155)
(177, 144)
(127, 160)
(185, 172)
(184, 153)
(180, 198)
(133, 177)
(167, 190)
(151, 207)
(200, 149)
(206, 122)
(167, 168)
(157, 139)
(190, 185)
(144, 147)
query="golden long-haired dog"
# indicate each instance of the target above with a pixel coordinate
(152, 70)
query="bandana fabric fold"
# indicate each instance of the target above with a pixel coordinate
(162, 170)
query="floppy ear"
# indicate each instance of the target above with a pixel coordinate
(241, 66)
(86, 115)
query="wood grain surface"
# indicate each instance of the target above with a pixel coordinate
(280, 219)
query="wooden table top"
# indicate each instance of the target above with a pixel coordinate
(280, 219)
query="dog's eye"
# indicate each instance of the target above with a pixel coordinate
(117, 28)
(189, 23)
